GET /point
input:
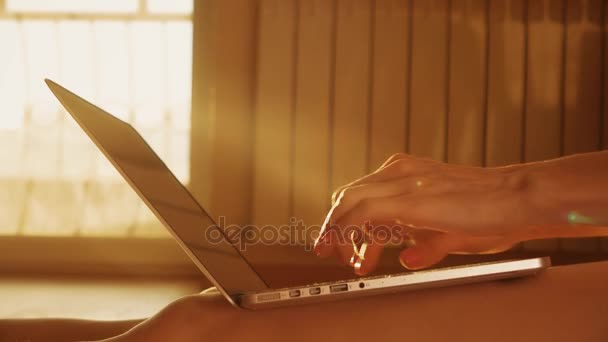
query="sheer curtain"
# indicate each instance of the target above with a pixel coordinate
(132, 58)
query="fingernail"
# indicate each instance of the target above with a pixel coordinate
(358, 267)
(353, 260)
(321, 238)
(358, 260)
(320, 244)
(410, 259)
(318, 248)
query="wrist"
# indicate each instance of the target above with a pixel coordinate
(564, 197)
(540, 200)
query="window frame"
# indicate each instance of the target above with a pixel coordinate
(142, 13)
(93, 256)
(135, 256)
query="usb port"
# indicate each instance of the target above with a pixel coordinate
(338, 288)
(294, 293)
(314, 290)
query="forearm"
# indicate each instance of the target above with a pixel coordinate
(570, 194)
(33, 330)
(575, 187)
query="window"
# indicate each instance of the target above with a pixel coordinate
(130, 57)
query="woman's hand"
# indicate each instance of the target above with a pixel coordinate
(436, 208)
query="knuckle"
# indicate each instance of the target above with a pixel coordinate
(393, 158)
(403, 165)
(397, 156)
(351, 195)
(344, 195)
(347, 195)
(336, 194)
(366, 206)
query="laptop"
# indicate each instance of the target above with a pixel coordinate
(221, 261)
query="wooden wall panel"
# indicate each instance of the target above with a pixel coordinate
(467, 82)
(203, 100)
(391, 73)
(582, 76)
(391, 76)
(351, 91)
(428, 102)
(544, 97)
(605, 95)
(582, 91)
(273, 112)
(543, 115)
(222, 107)
(304, 96)
(605, 69)
(506, 85)
(311, 151)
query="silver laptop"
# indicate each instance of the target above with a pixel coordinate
(221, 261)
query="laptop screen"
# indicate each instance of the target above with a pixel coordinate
(172, 203)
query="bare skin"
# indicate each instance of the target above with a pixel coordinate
(441, 209)
(58, 329)
(181, 320)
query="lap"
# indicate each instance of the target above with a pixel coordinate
(562, 304)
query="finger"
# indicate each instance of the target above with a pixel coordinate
(433, 246)
(351, 196)
(368, 259)
(367, 215)
(392, 158)
(348, 243)
(374, 212)
(323, 246)
(378, 238)
(394, 169)
(338, 240)
(390, 171)
(429, 249)
(420, 257)
(341, 243)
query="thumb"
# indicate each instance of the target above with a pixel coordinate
(420, 256)
(430, 248)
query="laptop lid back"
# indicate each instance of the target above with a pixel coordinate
(197, 233)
